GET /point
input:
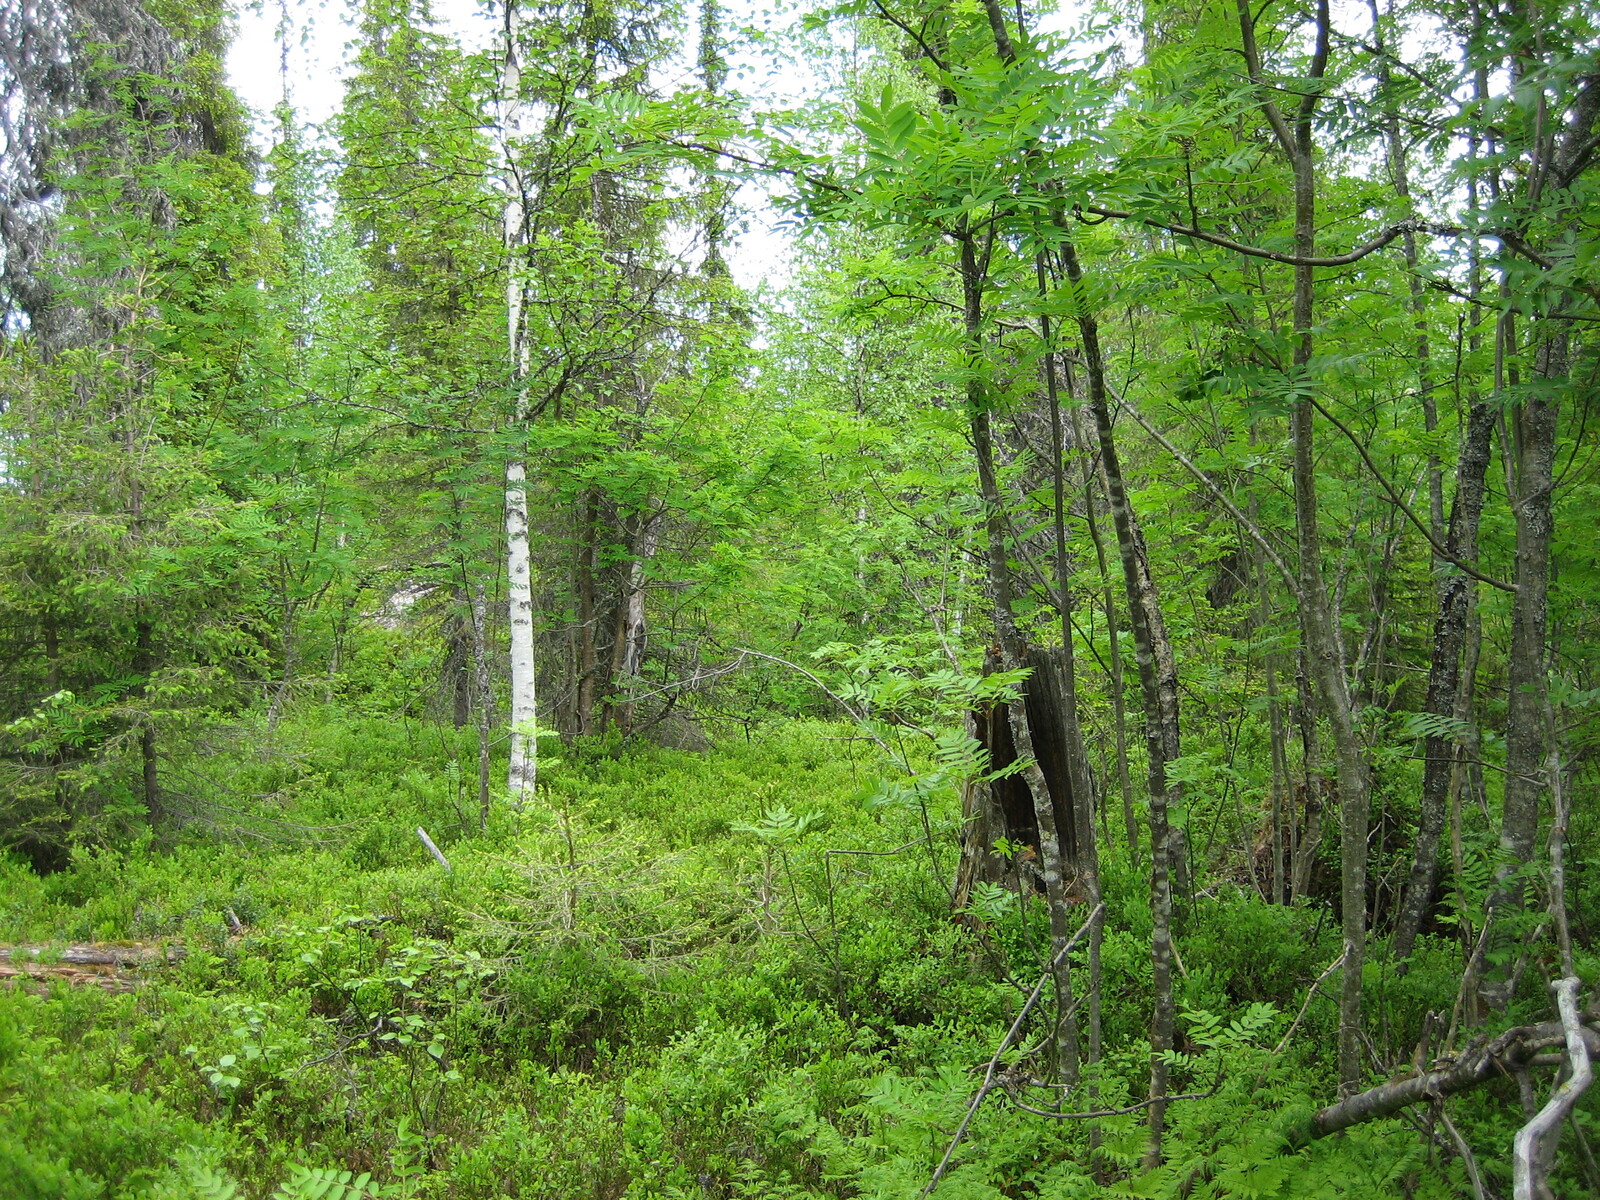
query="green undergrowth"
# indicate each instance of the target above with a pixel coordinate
(726, 974)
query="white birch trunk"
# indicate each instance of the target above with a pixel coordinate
(523, 773)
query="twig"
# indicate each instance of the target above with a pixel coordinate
(687, 685)
(860, 718)
(1468, 980)
(1244, 522)
(1109, 1112)
(1177, 960)
(1301, 1015)
(1332, 260)
(1395, 498)
(1468, 1160)
(989, 1083)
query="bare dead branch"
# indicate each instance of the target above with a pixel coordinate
(1280, 256)
(1399, 502)
(1485, 1059)
(1533, 1149)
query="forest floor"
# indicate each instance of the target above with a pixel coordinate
(727, 974)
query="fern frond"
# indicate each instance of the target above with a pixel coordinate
(207, 1184)
(316, 1183)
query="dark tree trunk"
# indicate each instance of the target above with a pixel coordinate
(628, 648)
(483, 686)
(52, 654)
(1119, 706)
(1004, 807)
(996, 810)
(458, 663)
(1280, 808)
(587, 664)
(1077, 815)
(144, 663)
(1535, 432)
(1444, 678)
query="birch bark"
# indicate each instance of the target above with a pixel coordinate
(522, 776)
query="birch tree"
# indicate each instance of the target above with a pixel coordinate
(522, 774)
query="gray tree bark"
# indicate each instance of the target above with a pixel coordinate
(1318, 619)
(973, 265)
(1158, 682)
(1444, 679)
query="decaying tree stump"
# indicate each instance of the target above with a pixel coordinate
(1002, 808)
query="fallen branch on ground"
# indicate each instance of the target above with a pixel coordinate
(1485, 1059)
(92, 964)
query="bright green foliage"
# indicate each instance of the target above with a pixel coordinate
(252, 477)
(629, 979)
(122, 540)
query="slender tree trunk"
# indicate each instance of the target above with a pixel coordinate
(144, 662)
(632, 632)
(1108, 601)
(1308, 833)
(1467, 775)
(459, 662)
(52, 654)
(587, 663)
(1013, 645)
(1086, 850)
(1535, 434)
(1279, 839)
(1444, 678)
(483, 686)
(1158, 680)
(1014, 650)
(290, 644)
(1325, 660)
(1318, 617)
(1561, 153)
(1455, 590)
(523, 771)
(522, 774)
(1278, 748)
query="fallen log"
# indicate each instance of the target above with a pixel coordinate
(113, 967)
